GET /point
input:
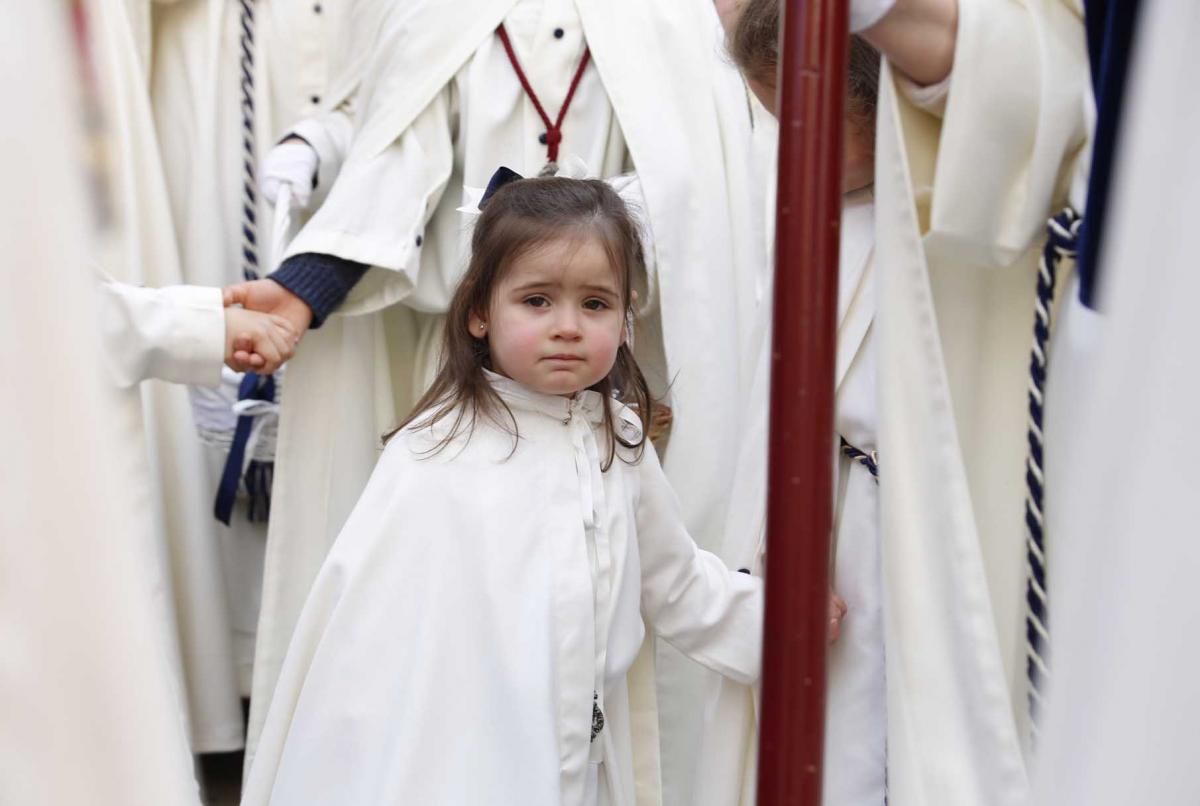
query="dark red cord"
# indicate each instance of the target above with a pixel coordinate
(553, 130)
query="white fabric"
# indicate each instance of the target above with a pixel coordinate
(962, 202)
(307, 59)
(87, 676)
(293, 164)
(303, 51)
(856, 712)
(1124, 702)
(142, 250)
(475, 601)
(443, 111)
(865, 13)
(175, 334)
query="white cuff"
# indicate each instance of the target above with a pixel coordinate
(865, 13)
(931, 98)
(175, 334)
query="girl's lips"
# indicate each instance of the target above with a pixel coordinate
(563, 357)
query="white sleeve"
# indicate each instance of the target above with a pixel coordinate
(175, 334)
(1004, 131)
(378, 209)
(707, 612)
(330, 134)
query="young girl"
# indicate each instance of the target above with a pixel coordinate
(468, 638)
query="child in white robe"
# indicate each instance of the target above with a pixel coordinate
(469, 637)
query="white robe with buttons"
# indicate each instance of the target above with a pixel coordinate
(475, 602)
(441, 112)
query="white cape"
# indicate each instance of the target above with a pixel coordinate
(476, 600)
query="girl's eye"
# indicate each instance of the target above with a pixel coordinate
(537, 301)
(595, 304)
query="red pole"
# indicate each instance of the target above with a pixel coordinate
(812, 91)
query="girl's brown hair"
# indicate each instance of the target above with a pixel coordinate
(754, 46)
(518, 218)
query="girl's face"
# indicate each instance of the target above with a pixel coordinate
(556, 319)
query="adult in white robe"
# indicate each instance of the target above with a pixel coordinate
(967, 173)
(1123, 701)
(143, 251)
(454, 642)
(438, 115)
(87, 688)
(305, 57)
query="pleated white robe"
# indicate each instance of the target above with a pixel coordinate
(964, 188)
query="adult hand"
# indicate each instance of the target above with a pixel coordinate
(837, 612)
(293, 162)
(257, 342)
(268, 296)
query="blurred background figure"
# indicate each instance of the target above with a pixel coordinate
(88, 683)
(1124, 697)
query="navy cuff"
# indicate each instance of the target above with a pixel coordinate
(322, 281)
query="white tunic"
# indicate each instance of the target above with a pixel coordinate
(455, 113)
(476, 601)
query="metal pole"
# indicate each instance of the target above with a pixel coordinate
(812, 89)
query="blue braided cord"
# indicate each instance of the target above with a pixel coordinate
(249, 172)
(1063, 234)
(868, 460)
(258, 475)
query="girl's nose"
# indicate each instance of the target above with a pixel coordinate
(567, 325)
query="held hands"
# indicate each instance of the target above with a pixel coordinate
(271, 302)
(257, 342)
(837, 612)
(293, 162)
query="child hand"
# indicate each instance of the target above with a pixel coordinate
(837, 611)
(257, 342)
(268, 296)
